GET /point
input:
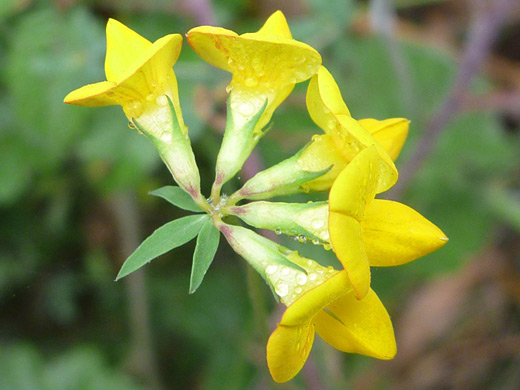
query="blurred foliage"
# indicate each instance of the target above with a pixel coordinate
(64, 322)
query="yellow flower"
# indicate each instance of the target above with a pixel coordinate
(368, 232)
(139, 76)
(326, 305)
(345, 137)
(265, 64)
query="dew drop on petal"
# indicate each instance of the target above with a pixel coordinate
(150, 97)
(271, 269)
(315, 241)
(250, 82)
(246, 109)
(229, 88)
(301, 279)
(282, 289)
(162, 100)
(285, 271)
(318, 223)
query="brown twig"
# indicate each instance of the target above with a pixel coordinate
(483, 33)
(142, 357)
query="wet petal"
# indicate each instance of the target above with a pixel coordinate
(324, 100)
(124, 47)
(287, 350)
(390, 133)
(347, 243)
(395, 234)
(358, 326)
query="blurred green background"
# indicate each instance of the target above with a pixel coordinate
(74, 203)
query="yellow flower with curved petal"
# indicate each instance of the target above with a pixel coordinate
(345, 137)
(139, 75)
(368, 232)
(330, 309)
(265, 65)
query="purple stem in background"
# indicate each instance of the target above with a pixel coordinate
(202, 10)
(483, 33)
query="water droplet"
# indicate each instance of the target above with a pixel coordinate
(282, 289)
(246, 109)
(318, 224)
(278, 232)
(298, 290)
(231, 62)
(302, 238)
(150, 97)
(271, 269)
(315, 241)
(312, 276)
(162, 100)
(166, 137)
(154, 84)
(134, 109)
(229, 88)
(310, 262)
(131, 125)
(250, 82)
(257, 64)
(331, 124)
(327, 247)
(301, 279)
(285, 271)
(240, 66)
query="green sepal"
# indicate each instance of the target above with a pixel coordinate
(284, 178)
(207, 245)
(178, 197)
(258, 251)
(174, 147)
(167, 237)
(237, 145)
(307, 221)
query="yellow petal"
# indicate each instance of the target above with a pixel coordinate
(360, 326)
(124, 46)
(356, 186)
(149, 74)
(92, 95)
(324, 100)
(287, 350)
(390, 133)
(346, 239)
(321, 154)
(276, 25)
(351, 137)
(395, 234)
(310, 303)
(258, 62)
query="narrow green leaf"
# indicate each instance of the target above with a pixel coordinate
(178, 197)
(207, 244)
(164, 239)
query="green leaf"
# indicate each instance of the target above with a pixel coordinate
(207, 244)
(164, 239)
(178, 197)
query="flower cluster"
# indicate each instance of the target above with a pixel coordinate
(352, 160)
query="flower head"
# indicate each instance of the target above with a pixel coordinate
(140, 78)
(325, 305)
(345, 137)
(139, 74)
(265, 64)
(368, 232)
